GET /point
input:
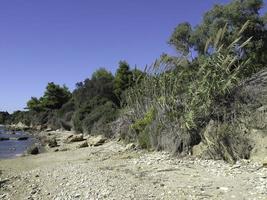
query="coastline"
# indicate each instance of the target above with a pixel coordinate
(16, 143)
(103, 172)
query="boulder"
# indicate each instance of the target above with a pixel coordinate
(83, 145)
(3, 138)
(19, 126)
(33, 150)
(74, 138)
(96, 141)
(22, 138)
(39, 127)
(48, 129)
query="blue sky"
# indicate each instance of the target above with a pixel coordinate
(64, 41)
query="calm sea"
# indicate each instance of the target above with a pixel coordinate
(13, 148)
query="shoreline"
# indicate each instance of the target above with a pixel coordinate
(104, 171)
(16, 143)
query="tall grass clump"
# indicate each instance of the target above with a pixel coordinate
(183, 95)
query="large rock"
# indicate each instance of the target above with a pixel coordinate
(83, 144)
(4, 138)
(259, 141)
(33, 150)
(22, 138)
(252, 99)
(96, 140)
(19, 126)
(74, 138)
(243, 133)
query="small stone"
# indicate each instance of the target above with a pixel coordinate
(130, 146)
(52, 143)
(3, 196)
(225, 189)
(33, 192)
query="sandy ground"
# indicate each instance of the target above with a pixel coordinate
(112, 171)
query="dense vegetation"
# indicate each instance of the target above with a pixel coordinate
(169, 105)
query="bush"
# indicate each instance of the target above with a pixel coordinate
(184, 95)
(99, 117)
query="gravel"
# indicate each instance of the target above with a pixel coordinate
(112, 171)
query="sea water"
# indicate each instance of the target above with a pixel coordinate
(12, 148)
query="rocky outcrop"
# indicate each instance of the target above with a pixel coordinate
(243, 132)
(96, 141)
(251, 105)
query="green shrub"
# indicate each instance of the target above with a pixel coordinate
(141, 124)
(102, 115)
(142, 130)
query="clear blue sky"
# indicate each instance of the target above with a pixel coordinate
(64, 41)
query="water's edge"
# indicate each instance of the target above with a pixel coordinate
(10, 146)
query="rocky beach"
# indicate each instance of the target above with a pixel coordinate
(96, 168)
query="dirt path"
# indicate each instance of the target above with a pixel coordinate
(111, 172)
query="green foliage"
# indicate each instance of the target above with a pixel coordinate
(102, 73)
(171, 102)
(20, 116)
(140, 127)
(184, 93)
(4, 117)
(55, 96)
(94, 101)
(140, 124)
(34, 104)
(217, 75)
(235, 15)
(100, 85)
(99, 117)
(180, 38)
(123, 78)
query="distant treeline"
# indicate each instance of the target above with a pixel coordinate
(167, 105)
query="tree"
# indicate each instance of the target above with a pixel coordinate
(180, 38)
(94, 100)
(34, 104)
(4, 116)
(102, 73)
(55, 96)
(137, 76)
(123, 78)
(235, 15)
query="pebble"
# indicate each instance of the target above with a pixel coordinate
(137, 177)
(225, 189)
